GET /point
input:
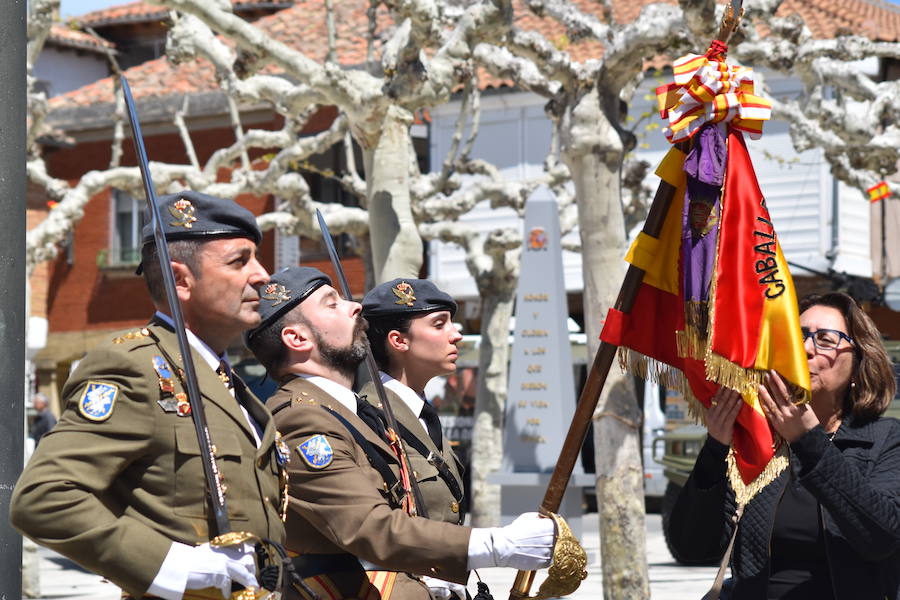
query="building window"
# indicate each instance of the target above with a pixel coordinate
(127, 223)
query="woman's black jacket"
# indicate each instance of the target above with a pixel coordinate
(855, 478)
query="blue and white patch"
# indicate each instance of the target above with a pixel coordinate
(316, 452)
(282, 452)
(97, 400)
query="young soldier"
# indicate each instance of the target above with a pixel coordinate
(413, 339)
(118, 484)
(344, 518)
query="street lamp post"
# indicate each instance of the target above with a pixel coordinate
(12, 282)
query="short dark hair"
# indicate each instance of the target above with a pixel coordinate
(186, 252)
(379, 328)
(266, 344)
(873, 375)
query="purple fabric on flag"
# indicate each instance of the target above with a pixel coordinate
(705, 170)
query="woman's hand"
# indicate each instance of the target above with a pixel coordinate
(789, 420)
(721, 414)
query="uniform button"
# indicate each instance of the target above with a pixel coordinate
(454, 506)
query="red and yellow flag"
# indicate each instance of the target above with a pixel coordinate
(879, 191)
(752, 320)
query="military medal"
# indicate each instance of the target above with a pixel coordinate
(183, 407)
(168, 405)
(282, 452)
(166, 382)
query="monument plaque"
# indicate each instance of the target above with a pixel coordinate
(541, 397)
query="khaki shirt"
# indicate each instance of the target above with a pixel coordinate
(113, 491)
(439, 500)
(342, 506)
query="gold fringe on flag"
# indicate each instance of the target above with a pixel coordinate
(662, 374)
(745, 492)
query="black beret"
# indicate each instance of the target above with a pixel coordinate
(194, 215)
(400, 297)
(286, 289)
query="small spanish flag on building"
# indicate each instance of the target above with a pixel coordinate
(879, 191)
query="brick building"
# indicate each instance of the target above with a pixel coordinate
(90, 290)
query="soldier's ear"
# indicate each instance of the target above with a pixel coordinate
(397, 341)
(184, 280)
(298, 338)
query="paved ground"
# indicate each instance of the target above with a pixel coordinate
(63, 580)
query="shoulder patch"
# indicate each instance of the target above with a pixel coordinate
(316, 452)
(97, 400)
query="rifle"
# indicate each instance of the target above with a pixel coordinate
(415, 505)
(606, 353)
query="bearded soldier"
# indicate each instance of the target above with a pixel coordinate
(345, 522)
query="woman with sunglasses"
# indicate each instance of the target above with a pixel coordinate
(828, 527)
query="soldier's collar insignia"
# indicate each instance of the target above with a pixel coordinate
(97, 400)
(404, 293)
(276, 292)
(316, 452)
(184, 212)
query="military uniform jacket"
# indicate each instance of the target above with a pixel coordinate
(112, 490)
(440, 500)
(342, 506)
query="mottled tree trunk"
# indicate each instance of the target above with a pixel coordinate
(593, 150)
(395, 241)
(490, 401)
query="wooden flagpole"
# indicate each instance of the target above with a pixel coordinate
(590, 394)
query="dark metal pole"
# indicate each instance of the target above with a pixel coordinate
(12, 290)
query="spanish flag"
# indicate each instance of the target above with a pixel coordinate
(717, 304)
(879, 191)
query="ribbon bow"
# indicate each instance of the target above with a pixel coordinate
(709, 90)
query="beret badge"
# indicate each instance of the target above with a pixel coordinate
(404, 293)
(183, 211)
(277, 293)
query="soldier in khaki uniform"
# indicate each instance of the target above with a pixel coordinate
(118, 485)
(345, 524)
(413, 339)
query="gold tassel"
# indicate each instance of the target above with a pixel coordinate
(724, 372)
(745, 492)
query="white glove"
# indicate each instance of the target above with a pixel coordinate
(197, 567)
(525, 544)
(444, 590)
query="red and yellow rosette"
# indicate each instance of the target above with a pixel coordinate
(709, 90)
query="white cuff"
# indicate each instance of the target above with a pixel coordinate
(481, 549)
(171, 579)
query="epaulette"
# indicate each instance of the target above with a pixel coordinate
(132, 335)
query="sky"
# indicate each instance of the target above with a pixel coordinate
(73, 8)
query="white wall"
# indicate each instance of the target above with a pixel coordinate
(69, 69)
(515, 135)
